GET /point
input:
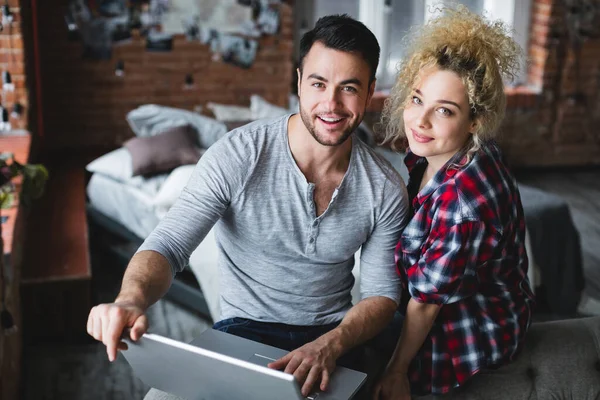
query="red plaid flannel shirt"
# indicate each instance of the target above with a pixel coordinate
(464, 248)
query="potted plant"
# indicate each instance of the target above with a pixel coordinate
(34, 177)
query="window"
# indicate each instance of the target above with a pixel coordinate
(390, 21)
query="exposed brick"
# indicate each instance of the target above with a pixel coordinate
(14, 41)
(542, 126)
(86, 96)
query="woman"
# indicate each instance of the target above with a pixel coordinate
(467, 300)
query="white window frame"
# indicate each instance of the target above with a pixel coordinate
(376, 14)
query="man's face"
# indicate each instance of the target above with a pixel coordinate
(334, 93)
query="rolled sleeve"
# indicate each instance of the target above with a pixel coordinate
(446, 271)
(218, 176)
(377, 269)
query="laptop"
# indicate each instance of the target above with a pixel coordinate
(221, 366)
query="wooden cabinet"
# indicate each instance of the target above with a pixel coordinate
(12, 235)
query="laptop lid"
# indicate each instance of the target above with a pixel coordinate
(343, 384)
(197, 373)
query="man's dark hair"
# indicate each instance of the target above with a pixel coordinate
(343, 33)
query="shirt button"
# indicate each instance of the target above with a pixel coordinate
(311, 240)
(315, 223)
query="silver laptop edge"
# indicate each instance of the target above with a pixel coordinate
(172, 366)
(218, 356)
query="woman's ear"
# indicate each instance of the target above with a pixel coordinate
(473, 127)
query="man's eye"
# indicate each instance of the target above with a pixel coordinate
(317, 85)
(349, 89)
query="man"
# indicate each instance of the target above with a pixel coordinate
(293, 199)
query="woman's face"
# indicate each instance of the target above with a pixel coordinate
(436, 119)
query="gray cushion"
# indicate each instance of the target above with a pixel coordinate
(163, 152)
(561, 360)
(151, 119)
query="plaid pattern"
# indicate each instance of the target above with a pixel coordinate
(465, 249)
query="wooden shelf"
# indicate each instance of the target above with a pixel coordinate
(57, 229)
(56, 277)
(18, 143)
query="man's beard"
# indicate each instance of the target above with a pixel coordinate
(306, 119)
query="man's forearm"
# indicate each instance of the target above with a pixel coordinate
(415, 328)
(147, 278)
(365, 320)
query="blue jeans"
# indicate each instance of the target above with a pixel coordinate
(287, 337)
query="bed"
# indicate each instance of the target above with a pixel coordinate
(131, 206)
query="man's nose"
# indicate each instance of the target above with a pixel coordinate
(332, 97)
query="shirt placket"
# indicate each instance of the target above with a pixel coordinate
(311, 240)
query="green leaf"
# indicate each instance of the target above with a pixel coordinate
(6, 199)
(34, 182)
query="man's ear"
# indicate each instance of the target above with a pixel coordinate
(371, 91)
(299, 79)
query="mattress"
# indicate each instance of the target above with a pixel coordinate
(134, 209)
(126, 204)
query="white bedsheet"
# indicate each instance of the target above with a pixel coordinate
(135, 210)
(126, 204)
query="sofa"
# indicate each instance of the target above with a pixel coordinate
(561, 360)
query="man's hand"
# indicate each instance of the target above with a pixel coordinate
(107, 321)
(392, 386)
(311, 363)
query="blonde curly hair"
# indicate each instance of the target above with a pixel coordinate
(479, 51)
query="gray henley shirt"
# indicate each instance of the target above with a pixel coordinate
(278, 261)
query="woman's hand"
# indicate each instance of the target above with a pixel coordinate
(392, 386)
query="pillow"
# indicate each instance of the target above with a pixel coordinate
(150, 185)
(263, 109)
(116, 165)
(231, 125)
(293, 103)
(152, 119)
(226, 113)
(163, 152)
(173, 185)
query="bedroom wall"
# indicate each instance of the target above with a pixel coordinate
(551, 121)
(12, 59)
(84, 103)
(554, 119)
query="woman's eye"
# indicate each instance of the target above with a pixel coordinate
(444, 111)
(416, 100)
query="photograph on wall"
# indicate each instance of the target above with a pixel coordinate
(238, 51)
(227, 16)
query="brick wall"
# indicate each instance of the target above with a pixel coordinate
(555, 120)
(12, 59)
(550, 122)
(84, 103)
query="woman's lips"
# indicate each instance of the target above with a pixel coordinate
(420, 138)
